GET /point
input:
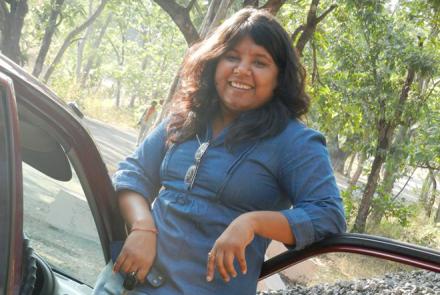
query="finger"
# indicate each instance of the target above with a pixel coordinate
(221, 266)
(210, 266)
(128, 266)
(242, 261)
(229, 264)
(142, 274)
(119, 262)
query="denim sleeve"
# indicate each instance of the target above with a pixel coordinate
(140, 172)
(307, 177)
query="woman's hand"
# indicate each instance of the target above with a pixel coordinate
(229, 246)
(139, 250)
(233, 241)
(137, 254)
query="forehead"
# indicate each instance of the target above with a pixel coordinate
(248, 45)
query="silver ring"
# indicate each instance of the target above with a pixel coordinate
(133, 273)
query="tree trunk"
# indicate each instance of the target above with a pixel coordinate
(118, 93)
(350, 166)
(180, 16)
(47, 39)
(357, 174)
(132, 101)
(82, 44)
(367, 197)
(391, 168)
(251, 3)
(310, 27)
(337, 155)
(11, 30)
(386, 130)
(95, 46)
(437, 216)
(423, 197)
(70, 36)
(431, 200)
(216, 12)
(273, 6)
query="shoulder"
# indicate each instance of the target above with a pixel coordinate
(298, 134)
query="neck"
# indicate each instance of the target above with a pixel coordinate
(220, 122)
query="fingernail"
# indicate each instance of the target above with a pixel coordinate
(244, 271)
(234, 275)
(208, 278)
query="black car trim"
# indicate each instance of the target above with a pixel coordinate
(360, 241)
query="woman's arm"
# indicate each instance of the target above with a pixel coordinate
(239, 234)
(139, 250)
(306, 176)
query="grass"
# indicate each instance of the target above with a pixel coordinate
(421, 230)
(333, 267)
(97, 103)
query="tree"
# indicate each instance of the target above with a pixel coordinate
(52, 24)
(70, 38)
(308, 29)
(12, 13)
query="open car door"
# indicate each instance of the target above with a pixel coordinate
(57, 203)
(10, 192)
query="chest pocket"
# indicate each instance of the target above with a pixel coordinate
(252, 184)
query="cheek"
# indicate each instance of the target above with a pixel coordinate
(221, 72)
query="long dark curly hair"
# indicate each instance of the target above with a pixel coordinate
(196, 101)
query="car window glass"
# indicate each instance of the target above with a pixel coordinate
(114, 143)
(59, 223)
(347, 273)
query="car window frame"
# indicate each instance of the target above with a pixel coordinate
(11, 209)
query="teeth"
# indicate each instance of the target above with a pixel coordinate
(240, 85)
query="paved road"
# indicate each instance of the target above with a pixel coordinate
(113, 142)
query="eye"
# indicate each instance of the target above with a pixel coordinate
(231, 57)
(260, 63)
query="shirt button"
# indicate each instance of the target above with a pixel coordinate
(181, 200)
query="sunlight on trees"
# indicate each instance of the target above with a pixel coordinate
(373, 72)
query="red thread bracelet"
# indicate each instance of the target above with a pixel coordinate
(151, 230)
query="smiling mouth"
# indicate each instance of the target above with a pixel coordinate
(240, 86)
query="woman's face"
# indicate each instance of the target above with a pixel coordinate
(245, 78)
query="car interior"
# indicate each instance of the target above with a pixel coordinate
(41, 150)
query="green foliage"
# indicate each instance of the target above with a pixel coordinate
(419, 230)
(350, 205)
(364, 50)
(395, 210)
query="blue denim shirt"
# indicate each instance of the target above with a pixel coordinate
(290, 173)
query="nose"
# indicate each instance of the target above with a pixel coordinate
(242, 68)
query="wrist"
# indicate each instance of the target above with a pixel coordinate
(251, 218)
(141, 225)
(145, 229)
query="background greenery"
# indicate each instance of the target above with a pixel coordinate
(373, 73)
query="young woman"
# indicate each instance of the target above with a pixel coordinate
(231, 169)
